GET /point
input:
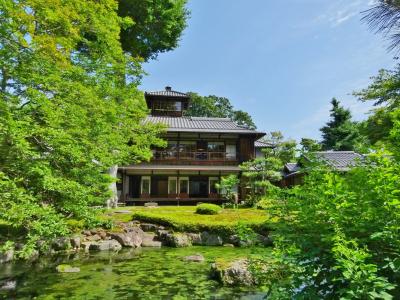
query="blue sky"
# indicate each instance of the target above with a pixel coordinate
(281, 61)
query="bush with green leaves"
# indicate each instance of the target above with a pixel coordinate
(208, 209)
(340, 233)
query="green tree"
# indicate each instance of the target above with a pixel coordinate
(69, 109)
(157, 26)
(263, 172)
(384, 93)
(309, 145)
(384, 17)
(340, 133)
(228, 188)
(217, 107)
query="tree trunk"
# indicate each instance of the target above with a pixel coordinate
(112, 202)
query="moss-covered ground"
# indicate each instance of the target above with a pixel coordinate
(184, 218)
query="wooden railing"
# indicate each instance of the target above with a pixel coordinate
(193, 156)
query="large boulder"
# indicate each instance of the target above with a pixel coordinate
(235, 273)
(150, 240)
(211, 239)
(179, 240)
(62, 243)
(129, 239)
(195, 238)
(110, 245)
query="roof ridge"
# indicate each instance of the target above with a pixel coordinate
(210, 118)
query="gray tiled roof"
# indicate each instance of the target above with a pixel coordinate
(261, 144)
(292, 167)
(201, 124)
(341, 160)
(168, 93)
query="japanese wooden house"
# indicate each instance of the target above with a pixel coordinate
(200, 150)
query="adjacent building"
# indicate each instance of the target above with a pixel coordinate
(340, 161)
(199, 151)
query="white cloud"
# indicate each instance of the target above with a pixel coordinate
(340, 12)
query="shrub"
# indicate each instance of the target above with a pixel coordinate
(264, 204)
(207, 209)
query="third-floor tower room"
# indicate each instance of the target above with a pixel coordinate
(167, 103)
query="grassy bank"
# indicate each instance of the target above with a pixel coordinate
(184, 218)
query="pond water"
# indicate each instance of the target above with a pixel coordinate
(145, 273)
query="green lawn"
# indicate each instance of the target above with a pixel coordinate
(184, 218)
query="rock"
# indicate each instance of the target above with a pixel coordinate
(67, 269)
(151, 204)
(149, 240)
(209, 239)
(128, 239)
(147, 227)
(238, 242)
(195, 258)
(75, 242)
(110, 245)
(62, 243)
(266, 241)
(93, 238)
(86, 246)
(102, 235)
(6, 256)
(234, 273)
(86, 232)
(179, 240)
(195, 238)
(8, 285)
(228, 245)
(151, 243)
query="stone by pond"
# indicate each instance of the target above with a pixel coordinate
(132, 273)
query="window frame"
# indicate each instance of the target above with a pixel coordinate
(142, 180)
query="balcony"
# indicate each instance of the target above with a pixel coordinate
(198, 157)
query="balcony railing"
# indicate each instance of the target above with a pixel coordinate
(193, 156)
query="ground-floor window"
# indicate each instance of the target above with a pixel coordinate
(172, 185)
(145, 185)
(184, 185)
(212, 184)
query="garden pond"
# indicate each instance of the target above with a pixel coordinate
(143, 273)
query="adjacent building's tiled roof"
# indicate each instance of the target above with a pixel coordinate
(168, 93)
(340, 160)
(262, 144)
(292, 167)
(201, 124)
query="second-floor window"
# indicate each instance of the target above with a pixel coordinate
(187, 149)
(216, 147)
(167, 106)
(216, 150)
